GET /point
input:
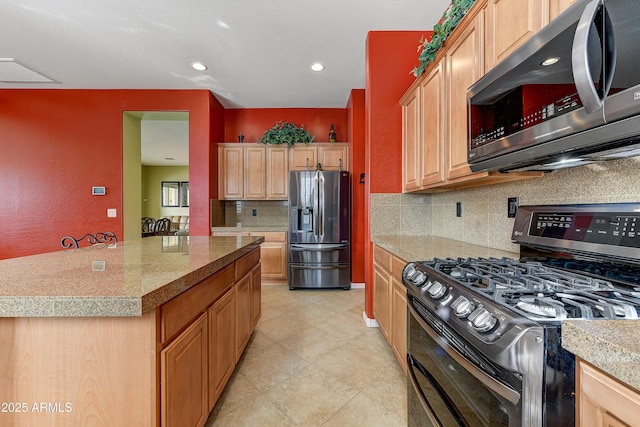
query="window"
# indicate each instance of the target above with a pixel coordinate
(170, 193)
(184, 194)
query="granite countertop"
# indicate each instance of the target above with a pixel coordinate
(252, 228)
(420, 248)
(125, 279)
(610, 345)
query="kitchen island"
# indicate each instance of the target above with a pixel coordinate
(144, 332)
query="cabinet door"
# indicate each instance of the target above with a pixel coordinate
(464, 67)
(256, 296)
(243, 313)
(382, 299)
(231, 173)
(184, 380)
(334, 156)
(302, 156)
(277, 173)
(399, 321)
(556, 7)
(222, 344)
(604, 401)
(432, 135)
(255, 186)
(509, 23)
(411, 154)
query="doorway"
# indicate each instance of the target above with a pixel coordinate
(155, 149)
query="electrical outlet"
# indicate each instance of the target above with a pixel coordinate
(254, 212)
(512, 206)
(458, 209)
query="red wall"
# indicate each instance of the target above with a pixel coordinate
(359, 236)
(56, 144)
(253, 122)
(390, 57)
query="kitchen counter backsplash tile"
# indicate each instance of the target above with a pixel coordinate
(484, 220)
(268, 213)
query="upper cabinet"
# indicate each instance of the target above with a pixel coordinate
(556, 7)
(261, 172)
(508, 24)
(331, 156)
(434, 109)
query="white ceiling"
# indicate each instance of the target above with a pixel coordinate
(258, 51)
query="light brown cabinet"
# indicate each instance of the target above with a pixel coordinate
(556, 7)
(330, 155)
(222, 340)
(184, 367)
(603, 400)
(435, 128)
(273, 252)
(252, 172)
(508, 24)
(390, 302)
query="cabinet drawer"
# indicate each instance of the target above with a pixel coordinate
(382, 257)
(246, 263)
(180, 311)
(271, 236)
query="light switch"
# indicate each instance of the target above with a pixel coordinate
(111, 213)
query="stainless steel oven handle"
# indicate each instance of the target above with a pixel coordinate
(494, 385)
(423, 400)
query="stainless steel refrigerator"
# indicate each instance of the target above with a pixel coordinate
(319, 229)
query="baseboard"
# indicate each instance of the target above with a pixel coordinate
(371, 323)
(357, 285)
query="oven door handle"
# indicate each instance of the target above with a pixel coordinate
(494, 385)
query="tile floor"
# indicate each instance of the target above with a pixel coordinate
(313, 362)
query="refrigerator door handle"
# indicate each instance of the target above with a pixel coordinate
(312, 248)
(319, 267)
(322, 206)
(316, 207)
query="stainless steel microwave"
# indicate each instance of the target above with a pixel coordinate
(570, 95)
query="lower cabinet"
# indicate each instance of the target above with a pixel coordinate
(203, 333)
(390, 302)
(183, 365)
(603, 400)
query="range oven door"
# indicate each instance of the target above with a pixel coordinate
(446, 388)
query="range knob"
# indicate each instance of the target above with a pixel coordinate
(437, 290)
(409, 270)
(462, 307)
(419, 278)
(482, 320)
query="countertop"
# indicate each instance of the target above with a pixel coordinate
(611, 345)
(250, 229)
(125, 279)
(420, 248)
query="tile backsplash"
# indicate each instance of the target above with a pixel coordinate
(268, 213)
(484, 218)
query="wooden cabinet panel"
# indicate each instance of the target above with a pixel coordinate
(464, 67)
(277, 173)
(222, 348)
(180, 311)
(411, 148)
(255, 185)
(399, 320)
(382, 300)
(231, 172)
(602, 400)
(183, 383)
(273, 257)
(302, 156)
(432, 135)
(556, 7)
(509, 23)
(243, 314)
(334, 156)
(256, 295)
(246, 263)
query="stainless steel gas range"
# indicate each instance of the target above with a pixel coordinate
(484, 334)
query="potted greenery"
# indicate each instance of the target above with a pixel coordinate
(286, 133)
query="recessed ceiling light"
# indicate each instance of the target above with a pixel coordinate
(198, 66)
(550, 61)
(316, 66)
